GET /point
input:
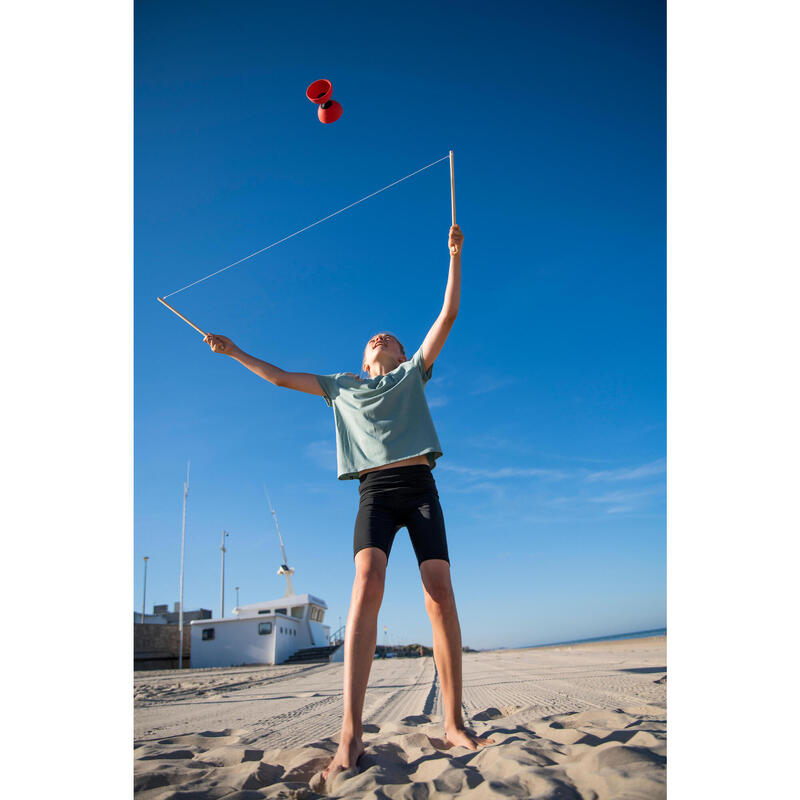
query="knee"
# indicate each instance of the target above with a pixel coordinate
(439, 597)
(368, 584)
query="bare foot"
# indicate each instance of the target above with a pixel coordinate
(461, 737)
(350, 750)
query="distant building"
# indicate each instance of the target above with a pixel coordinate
(173, 617)
(156, 642)
(149, 619)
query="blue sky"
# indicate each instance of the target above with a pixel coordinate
(549, 397)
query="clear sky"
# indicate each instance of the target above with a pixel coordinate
(549, 397)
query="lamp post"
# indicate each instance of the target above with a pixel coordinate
(222, 578)
(237, 596)
(144, 592)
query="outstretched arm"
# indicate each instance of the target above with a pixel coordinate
(440, 329)
(301, 381)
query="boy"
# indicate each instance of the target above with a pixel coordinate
(385, 438)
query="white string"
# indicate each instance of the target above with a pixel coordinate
(306, 228)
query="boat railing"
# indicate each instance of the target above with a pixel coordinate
(337, 637)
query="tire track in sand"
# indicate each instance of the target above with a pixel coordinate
(406, 700)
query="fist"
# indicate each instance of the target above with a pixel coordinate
(220, 344)
(455, 240)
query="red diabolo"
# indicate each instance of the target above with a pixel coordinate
(320, 93)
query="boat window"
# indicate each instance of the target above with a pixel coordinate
(280, 611)
(317, 613)
(297, 611)
(264, 628)
(208, 634)
(264, 611)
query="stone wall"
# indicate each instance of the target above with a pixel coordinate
(156, 646)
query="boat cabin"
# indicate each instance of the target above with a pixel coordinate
(260, 633)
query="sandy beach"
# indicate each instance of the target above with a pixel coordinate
(569, 721)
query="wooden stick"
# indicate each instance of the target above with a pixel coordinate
(162, 300)
(452, 188)
(453, 249)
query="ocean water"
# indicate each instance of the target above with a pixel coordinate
(634, 635)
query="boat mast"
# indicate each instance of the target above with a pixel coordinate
(180, 590)
(285, 569)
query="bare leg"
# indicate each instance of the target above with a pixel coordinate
(359, 650)
(440, 603)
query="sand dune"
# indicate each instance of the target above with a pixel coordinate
(581, 721)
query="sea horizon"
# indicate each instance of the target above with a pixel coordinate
(611, 637)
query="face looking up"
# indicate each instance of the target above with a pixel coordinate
(383, 349)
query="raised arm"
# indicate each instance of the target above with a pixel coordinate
(437, 335)
(301, 381)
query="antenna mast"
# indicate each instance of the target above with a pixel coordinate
(285, 569)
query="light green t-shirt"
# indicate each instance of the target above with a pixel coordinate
(381, 420)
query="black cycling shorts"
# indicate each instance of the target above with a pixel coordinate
(399, 497)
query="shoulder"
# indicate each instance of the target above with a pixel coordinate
(333, 385)
(342, 378)
(417, 362)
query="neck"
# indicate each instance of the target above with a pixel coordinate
(383, 368)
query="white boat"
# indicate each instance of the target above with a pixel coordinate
(261, 633)
(266, 633)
